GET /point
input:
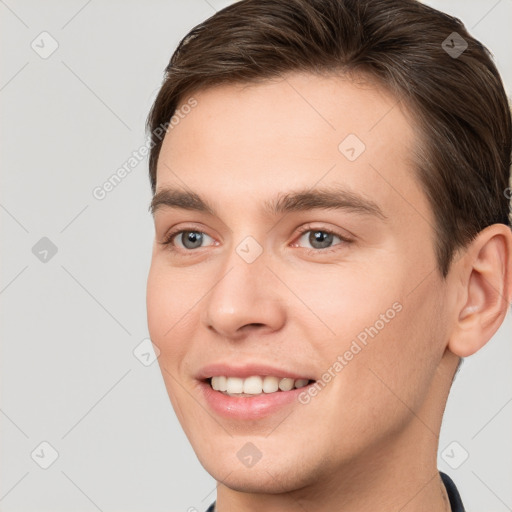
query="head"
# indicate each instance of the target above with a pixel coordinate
(341, 177)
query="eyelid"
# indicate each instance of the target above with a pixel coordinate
(309, 227)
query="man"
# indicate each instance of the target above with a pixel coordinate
(332, 236)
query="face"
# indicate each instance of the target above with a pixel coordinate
(294, 247)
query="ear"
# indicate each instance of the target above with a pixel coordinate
(484, 289)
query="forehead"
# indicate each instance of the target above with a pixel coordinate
(296, 131)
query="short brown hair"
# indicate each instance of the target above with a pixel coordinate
(458, 101)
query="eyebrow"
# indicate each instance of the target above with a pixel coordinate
(292, 201)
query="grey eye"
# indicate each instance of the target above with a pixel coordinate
(191, 239)
(319, 239)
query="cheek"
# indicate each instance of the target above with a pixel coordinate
(168, 316)
(401, 360)
(378, 329)
(157, 306)
(378, 382)
(341, 303)
(169, 305)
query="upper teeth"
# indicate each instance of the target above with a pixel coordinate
(255, 384)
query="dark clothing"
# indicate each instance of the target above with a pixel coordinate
(453, 494)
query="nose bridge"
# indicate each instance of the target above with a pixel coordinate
(245, 266)
(243, 293)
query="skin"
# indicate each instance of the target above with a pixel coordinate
(370, 436)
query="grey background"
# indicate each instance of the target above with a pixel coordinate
(69, 325)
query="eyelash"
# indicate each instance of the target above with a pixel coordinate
(170, 237)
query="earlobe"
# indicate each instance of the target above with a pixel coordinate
(487, 281)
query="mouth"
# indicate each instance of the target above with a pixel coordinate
(252, 392)
(255, 385)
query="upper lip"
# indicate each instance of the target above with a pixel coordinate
(247, 370)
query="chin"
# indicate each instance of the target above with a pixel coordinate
(274, 475)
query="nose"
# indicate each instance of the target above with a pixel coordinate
(244, 298)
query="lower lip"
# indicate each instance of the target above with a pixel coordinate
(249, 407)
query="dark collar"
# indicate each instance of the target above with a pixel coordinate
(453, 493)
(451, 489)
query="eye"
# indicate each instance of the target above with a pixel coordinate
(320, 239)
(186, 239)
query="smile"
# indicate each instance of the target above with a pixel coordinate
(255, 384)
